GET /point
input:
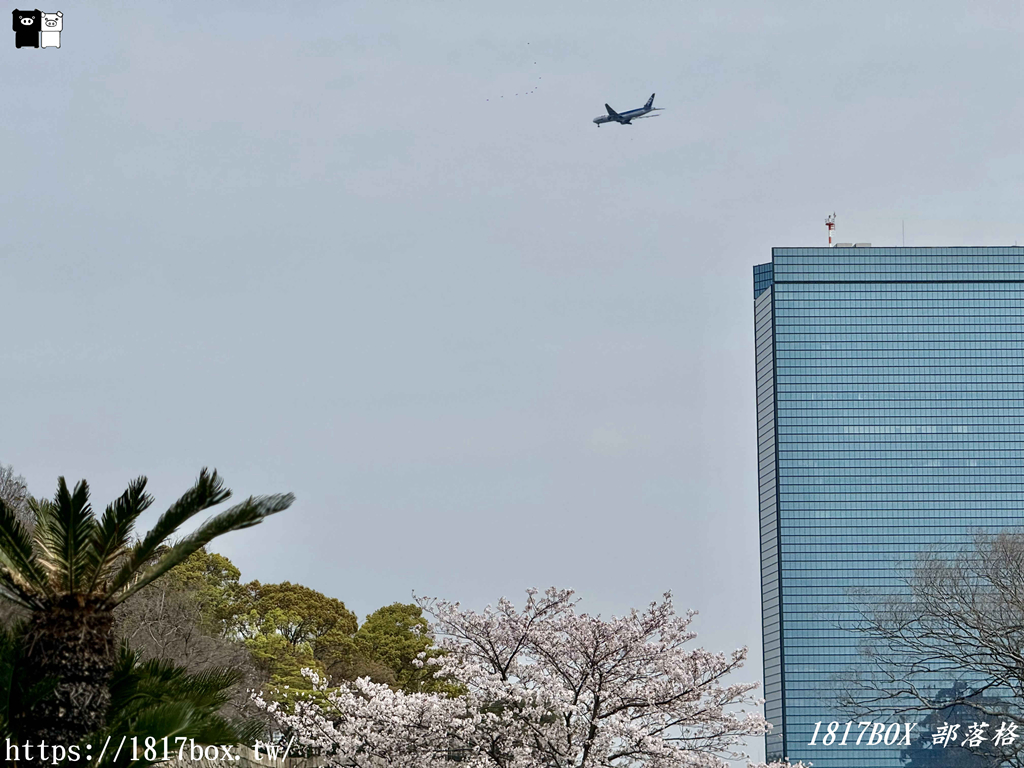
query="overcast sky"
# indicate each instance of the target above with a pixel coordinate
(378, 255)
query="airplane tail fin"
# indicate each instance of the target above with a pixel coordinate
(650, 102)
(611, 112)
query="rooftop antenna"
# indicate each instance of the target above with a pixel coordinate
(830, 222)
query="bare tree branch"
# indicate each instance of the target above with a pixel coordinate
(960, 619)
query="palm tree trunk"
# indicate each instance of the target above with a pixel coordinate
(72, 646)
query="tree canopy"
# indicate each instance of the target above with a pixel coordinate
(959, 620)
(283, 627)
(69, 570)
(545, 685)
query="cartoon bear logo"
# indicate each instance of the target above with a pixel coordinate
(27, 26)
(53, 23)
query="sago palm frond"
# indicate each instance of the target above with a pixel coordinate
(208, 690)
(208, 491)
(161, 699)
(63, 535)
(165, 720)
(136, 684)
(111, 538)
(14, 591)
(73, 570)
(171, 721)
(249, 513)
(21, 577)
(70, 552)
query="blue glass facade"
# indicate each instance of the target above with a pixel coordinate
(890, 396)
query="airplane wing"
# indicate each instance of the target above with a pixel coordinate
(611, 112)
(641, 117)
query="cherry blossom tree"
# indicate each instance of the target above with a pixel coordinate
(544, 687)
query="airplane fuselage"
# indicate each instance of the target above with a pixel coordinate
(626, 118)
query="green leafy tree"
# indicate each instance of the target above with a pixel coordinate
(69, 570)
(300, 614)
(289, 626)
(281, 659)
(394, 636)
(212, 583)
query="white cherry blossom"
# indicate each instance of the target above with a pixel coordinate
(545, 686)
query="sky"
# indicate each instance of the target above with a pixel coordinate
(378, 255)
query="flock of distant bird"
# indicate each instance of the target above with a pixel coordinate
(525, 93)
(622, 118)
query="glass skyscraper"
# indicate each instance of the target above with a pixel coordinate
(890, 406)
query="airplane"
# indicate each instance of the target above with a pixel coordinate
(626, 118)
